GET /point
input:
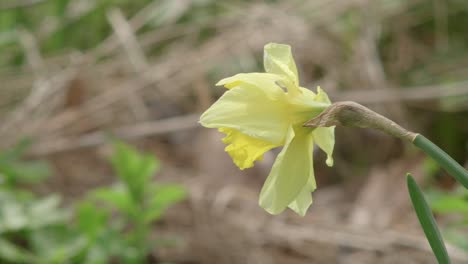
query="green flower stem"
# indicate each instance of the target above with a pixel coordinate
(352, 114)
(443, 159)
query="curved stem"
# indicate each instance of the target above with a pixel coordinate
(352, 114)
(442, 158)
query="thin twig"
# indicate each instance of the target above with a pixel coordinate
(31, 50)
(127, 132)
(135, 54)
(127, 38)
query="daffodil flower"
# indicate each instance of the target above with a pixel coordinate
(262, 111)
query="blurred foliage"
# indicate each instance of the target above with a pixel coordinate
(116, 221)
(455, 205)
(61, 24)
(109, 223)
(15, 171)
(32, 229)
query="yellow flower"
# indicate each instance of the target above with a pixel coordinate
(262, 111)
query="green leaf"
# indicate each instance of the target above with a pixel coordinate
(15, 152)
(30, 171)
(24, 172)
(430, 167)
(91, 219)
(19, 214)
(46, 211)
(134, 169)
(57, 244)
(13, 253)
(426, 219)
(455, 201)
(450, 204)
(116, 197)
(162, 197)
(129, 163)
(458, 238)
(14, 170)
(12, 217)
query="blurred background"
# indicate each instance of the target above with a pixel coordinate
(76, 73)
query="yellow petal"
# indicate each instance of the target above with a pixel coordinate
(278, 59)
(244, 150)
(322, 96)
(305, 106)
(264, 81)
(252, 112)
(324, 137)
(290, 173)
(304, 199)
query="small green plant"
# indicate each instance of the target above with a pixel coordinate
(116, 221)
(111, 223)
(35, 230)
(32, 229)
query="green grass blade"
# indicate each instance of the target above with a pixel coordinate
(427, 221)
(443, 159)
